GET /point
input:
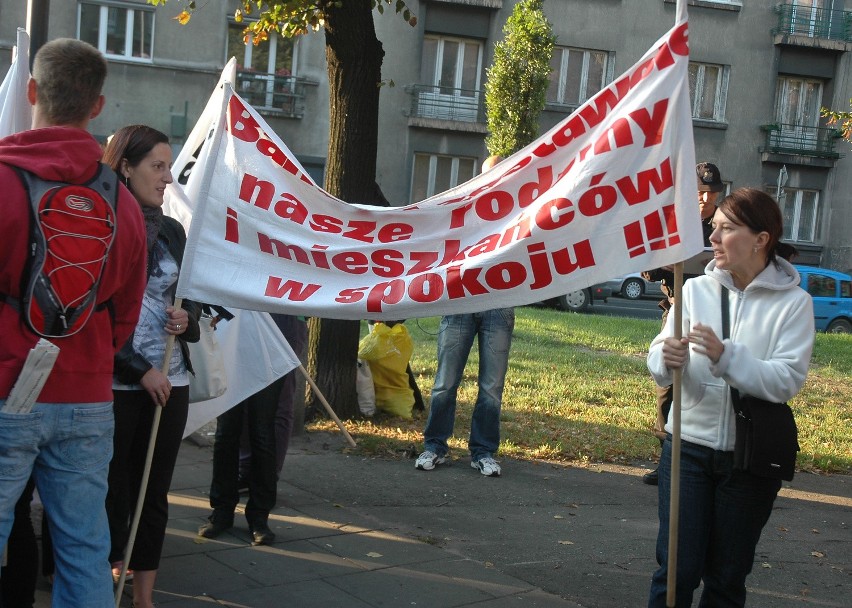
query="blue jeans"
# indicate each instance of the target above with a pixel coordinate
(494, 331)
(67, 448)
(722, 513)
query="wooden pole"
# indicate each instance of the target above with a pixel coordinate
(674, 496)
(326, 405)
(146, 472)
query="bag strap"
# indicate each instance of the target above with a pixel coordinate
(726, 327)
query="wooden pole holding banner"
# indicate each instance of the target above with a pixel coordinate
(326, 405)
(146, 472)
(674, 495)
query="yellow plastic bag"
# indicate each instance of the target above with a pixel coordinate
(388, 351)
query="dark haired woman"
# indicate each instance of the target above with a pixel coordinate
(142, 157)
(722, 510)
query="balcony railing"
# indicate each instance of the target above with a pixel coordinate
(804, 141)
(446, 103)
(275, 95)
(812, 22)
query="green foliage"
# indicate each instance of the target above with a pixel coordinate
(843, 120)
(518, 79)
(289, 19)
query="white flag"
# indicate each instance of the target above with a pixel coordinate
(16, 113)
(608, 191)
(254, 351)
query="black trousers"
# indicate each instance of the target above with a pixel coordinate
(134, 414)
(258, 412)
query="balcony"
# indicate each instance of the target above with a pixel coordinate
(446, 107)
(271, 95)
(799, 140)
(816, 27)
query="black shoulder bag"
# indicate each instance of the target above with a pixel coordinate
(767, 437)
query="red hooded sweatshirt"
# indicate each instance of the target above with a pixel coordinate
(83, 370)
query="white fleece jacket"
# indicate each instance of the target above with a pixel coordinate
(767, 354)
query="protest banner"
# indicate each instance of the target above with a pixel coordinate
(608, 191)
(255, 353)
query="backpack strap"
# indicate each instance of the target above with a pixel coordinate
(726, 328)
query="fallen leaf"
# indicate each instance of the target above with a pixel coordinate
(817, 553)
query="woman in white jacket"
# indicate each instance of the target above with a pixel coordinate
(722, 510)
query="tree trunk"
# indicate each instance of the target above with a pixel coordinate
(354, 57)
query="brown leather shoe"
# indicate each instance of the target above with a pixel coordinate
(261, 534)
(216, 524)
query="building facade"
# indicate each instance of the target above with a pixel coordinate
(759, 73)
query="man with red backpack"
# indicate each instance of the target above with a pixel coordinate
(65, 439)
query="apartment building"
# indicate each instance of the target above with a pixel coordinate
(759, 72)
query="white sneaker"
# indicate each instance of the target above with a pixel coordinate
(428, 460)
(487, 466)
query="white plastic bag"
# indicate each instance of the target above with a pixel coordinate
(366, 390)
(210, 380)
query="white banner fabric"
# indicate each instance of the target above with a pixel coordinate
(254, 351)
(16, 113)
(608, 191)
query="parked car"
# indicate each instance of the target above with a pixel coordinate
(832, 295)
(581, 299)
(633, 287)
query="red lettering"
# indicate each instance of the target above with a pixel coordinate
(298, 292)
(386, 264)
(326, 223)
(460, 281)
(353, 262)
(555, 214)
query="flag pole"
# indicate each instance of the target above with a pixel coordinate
(674, 495)
(327, 406)
(146, 472)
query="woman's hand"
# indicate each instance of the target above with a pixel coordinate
(675, 352)
(177, 320)
(706, 342)
(157, 385)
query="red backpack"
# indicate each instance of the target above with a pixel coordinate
(71, 232)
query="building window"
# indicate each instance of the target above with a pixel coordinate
(810, 17)
(708, 90)
(451, 64)
(265, 72)
(577, 74)
(450, 75)
(275, 56)
(117, 30)
(800, 209)
(797, 101)
(435, 173)
(797, 104)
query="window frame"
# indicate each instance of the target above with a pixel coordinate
(793, 230)
(583, 95)
(273, 41)
(130, 20)
(432, 172)
(720, 102)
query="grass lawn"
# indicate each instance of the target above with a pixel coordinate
(578, 391)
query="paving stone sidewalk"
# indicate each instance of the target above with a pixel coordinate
(359, 532)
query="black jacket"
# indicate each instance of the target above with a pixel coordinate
(130, 366)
